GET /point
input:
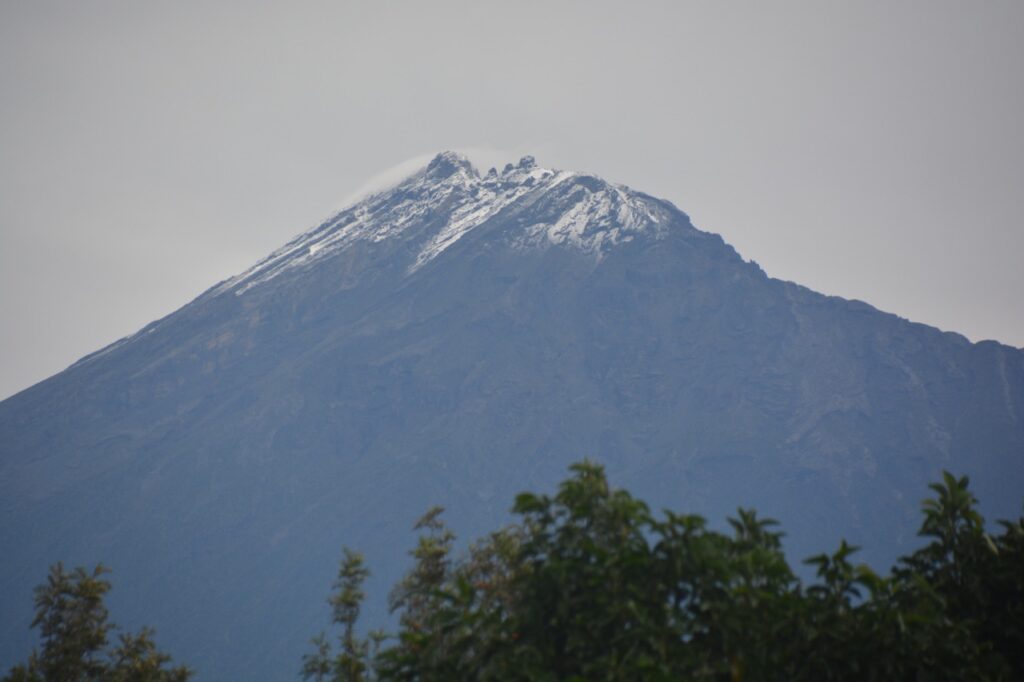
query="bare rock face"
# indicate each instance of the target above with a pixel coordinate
(456, 340)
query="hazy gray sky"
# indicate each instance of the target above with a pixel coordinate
(148, 150)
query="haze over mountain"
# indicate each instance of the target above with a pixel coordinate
(455, 340)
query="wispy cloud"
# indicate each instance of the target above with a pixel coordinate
(386, 178)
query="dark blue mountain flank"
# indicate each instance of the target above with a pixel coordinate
(455, 340)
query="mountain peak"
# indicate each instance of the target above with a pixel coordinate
(447, 163)
(454, 342)
(433, 209)
(527, 163)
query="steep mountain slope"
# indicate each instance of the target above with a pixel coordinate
(455, 340)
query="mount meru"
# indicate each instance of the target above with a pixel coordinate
(455, 340)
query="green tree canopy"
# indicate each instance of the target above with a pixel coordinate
(74, 631)
(590, 585)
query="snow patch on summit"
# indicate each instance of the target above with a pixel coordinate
(493, 194)
(597, 220)
(443, 202)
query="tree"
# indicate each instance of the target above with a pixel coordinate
(136, 659)
(589, 585)
(350, 664)
(976, 579)
(74, 628)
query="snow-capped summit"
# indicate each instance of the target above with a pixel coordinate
(434, 208)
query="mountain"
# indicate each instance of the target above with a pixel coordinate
(455, 340)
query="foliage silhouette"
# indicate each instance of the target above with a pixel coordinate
(590, 585)
(74, 628)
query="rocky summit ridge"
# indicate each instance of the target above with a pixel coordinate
(434, 208)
